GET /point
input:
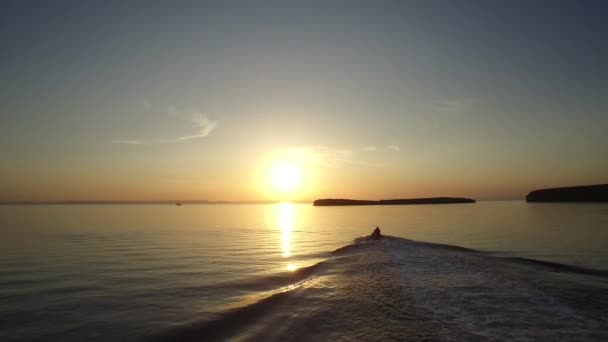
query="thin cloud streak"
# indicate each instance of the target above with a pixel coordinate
(129, 142)
(454, 105)
(203, 127)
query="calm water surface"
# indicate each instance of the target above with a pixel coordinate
(129, 272)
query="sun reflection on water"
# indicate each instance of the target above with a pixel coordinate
(286, 223)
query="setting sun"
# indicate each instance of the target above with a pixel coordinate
(285, 177)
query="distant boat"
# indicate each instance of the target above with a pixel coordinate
(178, 203)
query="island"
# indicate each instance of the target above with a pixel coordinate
(585, 193)
(403, 201)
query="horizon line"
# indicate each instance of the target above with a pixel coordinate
(109, 202)
(154, 202)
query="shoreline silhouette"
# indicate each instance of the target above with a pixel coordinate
(584, 193)
(401, 201)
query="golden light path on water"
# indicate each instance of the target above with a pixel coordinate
(286, 224)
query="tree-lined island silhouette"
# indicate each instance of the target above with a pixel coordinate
(401, 201)
(581, 193)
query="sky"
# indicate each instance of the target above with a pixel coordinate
(164, 100)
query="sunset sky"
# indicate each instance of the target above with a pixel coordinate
(164, 100)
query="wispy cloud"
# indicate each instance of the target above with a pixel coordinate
(453, 105)
(394, 147)
(204, 126)
(369, 148)
(129, 142)
(201, 126)
(444, 113)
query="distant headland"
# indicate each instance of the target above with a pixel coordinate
(406, 201)
(586, 193)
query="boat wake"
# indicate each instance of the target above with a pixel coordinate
(398, 289)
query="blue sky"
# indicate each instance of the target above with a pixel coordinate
(378, 99)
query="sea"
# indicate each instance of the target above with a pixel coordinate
(499, 271)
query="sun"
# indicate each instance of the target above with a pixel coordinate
(285, 177)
